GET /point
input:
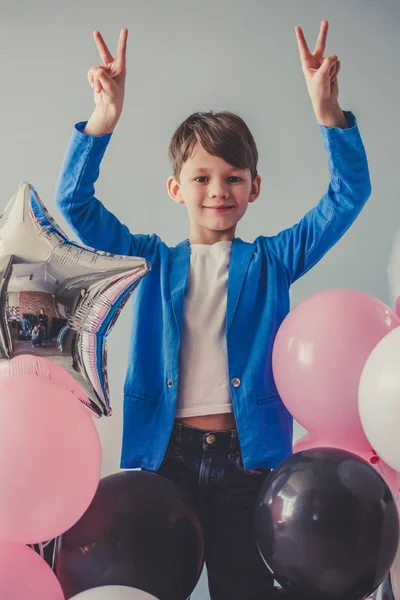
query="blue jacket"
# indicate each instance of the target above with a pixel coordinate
(260, 275)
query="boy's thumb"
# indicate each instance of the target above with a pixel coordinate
(104, 78)
(328, 64)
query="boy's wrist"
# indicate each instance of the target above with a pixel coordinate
(102, 121)
(331, 116)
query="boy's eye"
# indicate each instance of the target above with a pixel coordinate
(229, 178)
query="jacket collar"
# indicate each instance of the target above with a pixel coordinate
(178, 268)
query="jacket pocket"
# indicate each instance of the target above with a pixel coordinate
(141, 399)
(271, 399)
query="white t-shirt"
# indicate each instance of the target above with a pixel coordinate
(203, 363)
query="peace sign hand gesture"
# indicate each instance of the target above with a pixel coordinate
(108, 79)
(321, 75)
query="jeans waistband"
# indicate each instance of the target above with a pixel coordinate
(202, 441)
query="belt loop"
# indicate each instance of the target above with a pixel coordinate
(233, 448)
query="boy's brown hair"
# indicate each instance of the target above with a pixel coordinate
(221, 133)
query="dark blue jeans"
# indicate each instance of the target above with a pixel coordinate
(208, 465)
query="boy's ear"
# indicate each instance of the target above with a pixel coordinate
(174, 190)
(255, 189)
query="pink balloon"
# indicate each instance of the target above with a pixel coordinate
(391, 476)
(24, 575)
(28, 364)
(50, 459)
(318, 356)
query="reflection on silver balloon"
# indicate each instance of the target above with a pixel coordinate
(5, 338)
(58, 299)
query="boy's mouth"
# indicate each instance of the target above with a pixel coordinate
(219, 208)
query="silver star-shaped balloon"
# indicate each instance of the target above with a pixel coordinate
(58, 299)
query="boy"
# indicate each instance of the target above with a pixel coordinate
(211, 306)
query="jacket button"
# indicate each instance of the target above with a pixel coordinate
(169, 383)
(235, 382)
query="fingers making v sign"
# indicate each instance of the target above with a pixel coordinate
(320, 72)
(108, 79)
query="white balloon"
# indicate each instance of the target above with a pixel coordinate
(393, 271)
(379, 398)
(114, 592)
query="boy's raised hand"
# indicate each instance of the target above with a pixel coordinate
(108, 79)
(320, 73)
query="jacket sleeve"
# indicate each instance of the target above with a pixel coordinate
(75, 198)
(300, 247)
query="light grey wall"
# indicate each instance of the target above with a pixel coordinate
(185, 56)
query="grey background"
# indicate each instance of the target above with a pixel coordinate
(185, 56)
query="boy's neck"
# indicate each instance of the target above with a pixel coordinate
(211, 237)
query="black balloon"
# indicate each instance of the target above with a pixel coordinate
(327, 525)
(139, 531)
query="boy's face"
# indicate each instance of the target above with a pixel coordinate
(216, 195)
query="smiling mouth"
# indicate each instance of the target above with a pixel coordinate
(218, 208)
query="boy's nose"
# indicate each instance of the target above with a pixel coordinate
(219, 193)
